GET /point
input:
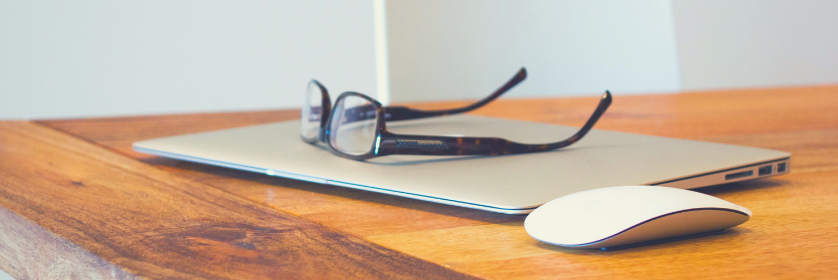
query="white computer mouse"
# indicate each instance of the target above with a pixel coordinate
(617, 216)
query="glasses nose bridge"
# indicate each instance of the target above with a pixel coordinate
(323, 135)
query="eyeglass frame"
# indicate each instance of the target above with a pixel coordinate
(387, 143)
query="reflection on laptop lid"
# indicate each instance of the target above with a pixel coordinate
(512, 184)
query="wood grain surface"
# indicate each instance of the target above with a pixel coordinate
(792, 234)
(137, 220)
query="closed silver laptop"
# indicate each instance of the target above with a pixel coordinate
(512, 184)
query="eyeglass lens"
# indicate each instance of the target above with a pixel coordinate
(353, 127)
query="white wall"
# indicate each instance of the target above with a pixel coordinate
(5, 276)
(104, 58)
(756, 43)
(442, 49)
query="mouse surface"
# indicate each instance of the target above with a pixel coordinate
(617, 216)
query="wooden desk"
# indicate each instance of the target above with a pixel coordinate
(76, 201)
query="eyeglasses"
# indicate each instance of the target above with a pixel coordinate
(356, 128)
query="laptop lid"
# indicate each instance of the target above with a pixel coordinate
(513, 184)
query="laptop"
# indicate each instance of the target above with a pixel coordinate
(511, 184)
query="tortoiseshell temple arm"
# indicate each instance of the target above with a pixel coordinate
(397, 113)
(440, 145)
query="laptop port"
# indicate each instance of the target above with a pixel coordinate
(781, 167)
(766, 170)
(738, 175)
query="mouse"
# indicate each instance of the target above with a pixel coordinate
(618, 217)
